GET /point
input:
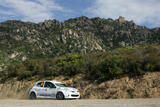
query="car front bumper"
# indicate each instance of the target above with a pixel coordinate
(72, 95)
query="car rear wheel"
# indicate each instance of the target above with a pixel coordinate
(60, 96)
(32, 95)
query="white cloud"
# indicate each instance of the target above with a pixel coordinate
(5, 12)
(31, 10)
(141, 11)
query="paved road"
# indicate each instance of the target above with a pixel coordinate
(82, 103)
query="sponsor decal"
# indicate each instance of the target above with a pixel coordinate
(45, 95)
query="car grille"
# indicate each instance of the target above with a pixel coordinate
(74, 95)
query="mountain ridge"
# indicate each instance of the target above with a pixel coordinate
(20, 40)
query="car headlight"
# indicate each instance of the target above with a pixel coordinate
(73, 91)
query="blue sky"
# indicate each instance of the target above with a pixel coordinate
(76, 8)
(143, 12)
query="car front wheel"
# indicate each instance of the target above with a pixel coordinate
(60, 96)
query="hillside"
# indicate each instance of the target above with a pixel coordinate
(130, 72)
(20, 41)
(117, 57)
(129, 61)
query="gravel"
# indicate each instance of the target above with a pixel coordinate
(81, 103)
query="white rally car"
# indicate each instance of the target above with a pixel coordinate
(53, 89)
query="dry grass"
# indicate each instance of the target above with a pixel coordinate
(147, 86)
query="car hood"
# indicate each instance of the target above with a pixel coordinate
(68, 88)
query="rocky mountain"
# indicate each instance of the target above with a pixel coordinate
(24, 40)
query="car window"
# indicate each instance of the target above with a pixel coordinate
(40, 84)
(61, 85)
(49, 85)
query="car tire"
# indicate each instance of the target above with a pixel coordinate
(32, 96)
(60, 96)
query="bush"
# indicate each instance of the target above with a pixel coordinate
(102, 66)
(24, 75)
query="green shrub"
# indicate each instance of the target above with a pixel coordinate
(101, 66)
(24, 75)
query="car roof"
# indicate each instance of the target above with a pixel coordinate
(53, 81)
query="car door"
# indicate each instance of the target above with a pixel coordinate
(50, 90)
(39, 88)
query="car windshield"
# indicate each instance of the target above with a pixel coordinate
(60, 85)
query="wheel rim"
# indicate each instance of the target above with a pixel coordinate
(60, 96)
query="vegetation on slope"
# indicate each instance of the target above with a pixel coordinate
(131, 61)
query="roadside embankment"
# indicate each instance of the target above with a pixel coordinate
(146, 86)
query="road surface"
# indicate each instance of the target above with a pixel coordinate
(82, 103)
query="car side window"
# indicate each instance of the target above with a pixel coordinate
(40, 84)
(49, 85)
